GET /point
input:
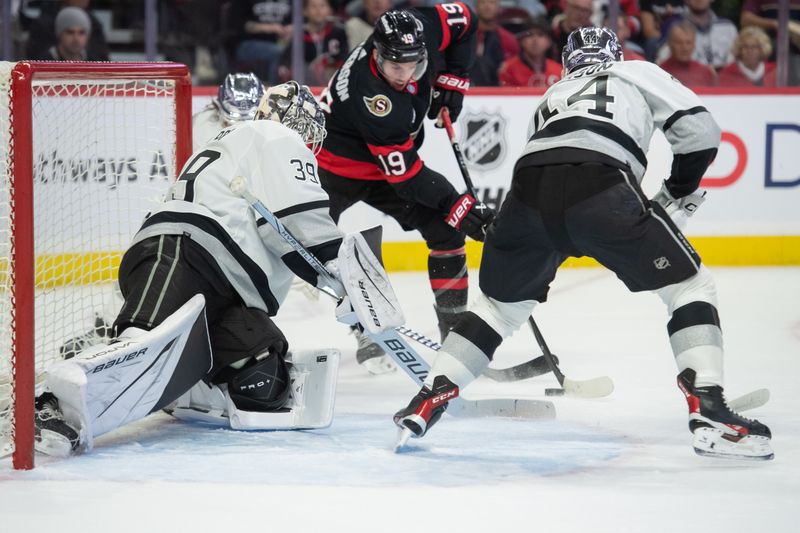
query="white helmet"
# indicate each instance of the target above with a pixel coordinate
(294, 106)
(239, 96)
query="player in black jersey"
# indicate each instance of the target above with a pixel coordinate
(414, 65)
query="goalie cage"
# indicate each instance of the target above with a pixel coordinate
(86, 149)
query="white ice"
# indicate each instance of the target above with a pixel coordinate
(618, 464)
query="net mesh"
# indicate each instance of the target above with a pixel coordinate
(103, 155)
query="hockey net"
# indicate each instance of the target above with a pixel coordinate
(86, 150)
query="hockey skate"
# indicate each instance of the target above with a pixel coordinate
(425, 409)
(100, 332)
(371, 356)
(52, 435)
(718, 431)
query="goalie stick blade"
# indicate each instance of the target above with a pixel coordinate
(503, 408)
(590, 388)
(751, 400)
(529, 369)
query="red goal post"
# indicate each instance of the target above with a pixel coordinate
(84, 146)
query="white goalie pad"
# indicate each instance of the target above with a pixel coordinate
(367, 285)
(313, 381)
(111, 385)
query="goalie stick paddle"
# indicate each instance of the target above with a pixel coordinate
(391, 343)
(594, 388)
(529, 369)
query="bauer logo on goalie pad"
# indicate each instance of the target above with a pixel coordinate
(119, 360)
(368, 288)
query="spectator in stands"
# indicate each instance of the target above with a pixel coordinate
(531, 67)
(43, 36)
(191, 32)
(264, 25)
(656, 17)
(494, 44)
(714, 35)
(72, 33)
(360, 26)
(630, 50)
(764, 14)
(577, 14)
(680, 64)
(628, 8)
(325, 45)
(751, 49)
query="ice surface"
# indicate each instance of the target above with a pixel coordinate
(618, 464)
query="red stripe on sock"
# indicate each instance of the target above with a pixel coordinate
(451, 283)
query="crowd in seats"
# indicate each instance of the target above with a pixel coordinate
(700, 42)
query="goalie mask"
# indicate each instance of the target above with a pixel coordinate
(589, 46)
(295, 107)
(239, 96)
(398, 37)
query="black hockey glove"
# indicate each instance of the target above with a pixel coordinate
(448, 91)
(471, 216)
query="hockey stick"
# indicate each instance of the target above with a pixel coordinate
(593, 388)
(392, 343)
(529, 369)
(751, 400)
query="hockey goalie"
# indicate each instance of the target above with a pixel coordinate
(201, 281)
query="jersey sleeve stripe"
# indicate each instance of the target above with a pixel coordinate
(604, 129)
(445, 28)
(682, 113)
(349, 168)
(386, 150)
(299, 208)
(413, 171)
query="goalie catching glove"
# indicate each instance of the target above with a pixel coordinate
(471, 216)
(679, 209)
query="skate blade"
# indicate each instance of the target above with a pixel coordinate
(403, 435)
(709, 442)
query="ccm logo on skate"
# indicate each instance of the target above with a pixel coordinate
(444, 397)
(460, 210)
(372, 312)
(119, 360)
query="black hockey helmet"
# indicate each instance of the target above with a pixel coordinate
(587, 46)
(398, 37)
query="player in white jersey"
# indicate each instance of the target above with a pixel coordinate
(575, 192)
(201, 280)
(236, 101)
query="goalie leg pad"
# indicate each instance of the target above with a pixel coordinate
(109, 386)
(367, 285)
(310, 406)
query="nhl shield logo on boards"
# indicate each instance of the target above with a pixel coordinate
(379, 105)
(484, 144)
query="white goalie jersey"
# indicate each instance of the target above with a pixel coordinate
(281, 172)
(206, 124)
(613, 109)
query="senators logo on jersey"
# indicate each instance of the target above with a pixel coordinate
(379, 105)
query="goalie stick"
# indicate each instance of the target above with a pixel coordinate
(593, 388)
(529, 369)
(392, 343)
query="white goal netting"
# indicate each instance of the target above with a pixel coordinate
(103, 154)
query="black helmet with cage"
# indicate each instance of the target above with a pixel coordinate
(294, 106)
(589, 46)
(398, 37)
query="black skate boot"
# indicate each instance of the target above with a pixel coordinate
(447, 321)
(52, 435)
(100, 332)
(371, 356)
(425, 409)
(718, 431)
